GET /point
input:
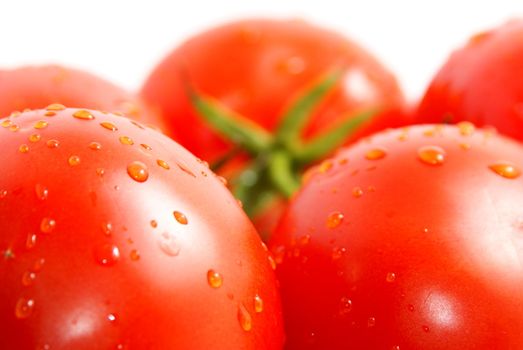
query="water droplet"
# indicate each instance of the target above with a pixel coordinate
(376, 153)
(345, 306)
(325, 166)
(371, 322)
(432, 155)
(41, 192)
(395, 347)
(3, 194)
(506, 169)
(83, 114)
(107, 228)
(258, 304)
(49, 114)
(411, 307)
(154, 224)
(41, 124)
(466, 128)
(109, 126)
(245, 318)
(135, 255)
(138, 171)
(14, 128)
(35, 138)
(28, 278)
(163, 164)
(180, 217)
(107, 254)
(73, 160)
(23, 148)
(338, 252)
(100, 171)
(425, 329)
(126, 140)
(111, 318)
(334, 219)
(53, 143)
(214, 279)
(169, 245)
(55, 107)
(30, 242)
(6, 123)
(272, 262)
(37, 266)
(24, 308)
(391, 277)
(147, 147)
(95, 146)
(47, 225)
(357, 192)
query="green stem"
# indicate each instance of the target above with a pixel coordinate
(282, 174)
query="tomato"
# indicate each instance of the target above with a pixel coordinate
(479, 83)
(410, 239)
(115, 237)
(38, 86)
(258, 69)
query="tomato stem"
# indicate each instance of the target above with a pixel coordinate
(282, 174)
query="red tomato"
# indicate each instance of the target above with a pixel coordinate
(481, 83)
(38, 86)
(115, 237)
(258, 68)
(408, 240)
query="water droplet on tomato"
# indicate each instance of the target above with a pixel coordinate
(345, 306)
(506, 169)
(41, 124)
(135, 255)
(30, 242)
(111, 318)
(357, 192)
(425, 329)
(41, 192)
(245, 318)
(371, 322)
(47, 225)
(6, 123)
(53, 143)
(258, 304)
(14, 127)
(432, 155)
(95, 146)
(55, 107)
(391, 277)
(73, 160)
(325, 166)
(107, 228)
(23, 148)
(168, 244)
(180, 217)
(146, 147)
(24, 308)
(154, 224)
(466, 128)
(138, 171)
(376, 153)
(214, 279)
(334, 219)
(37, 266)
(126, 140)
(35, 138)
(28, 278)
(100, 171)
(163, 164)
(338, 252)
(272, 262)
(107, 254)
(3, 194)
(83, 115)
(109, 126)
(410, 307)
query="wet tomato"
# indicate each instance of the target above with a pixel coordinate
(115, 237)
(411, 239)
(262, 71)
(32, 87)
(480, 83)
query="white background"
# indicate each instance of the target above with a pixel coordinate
(123, 40)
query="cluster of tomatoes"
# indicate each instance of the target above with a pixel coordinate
(285, 220)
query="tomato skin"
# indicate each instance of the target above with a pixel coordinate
(257, 67)
(397, 253)
(93, 257)
(36, 87)
(478, 84)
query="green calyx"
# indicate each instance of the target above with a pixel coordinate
(278, 158)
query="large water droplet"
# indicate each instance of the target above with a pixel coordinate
(55, 107)
(376, 153)
(258, 304)
(83, 114)
(334, 219)
(506, 169)
(138, 171)
(24, 308)
(47, 225)
(433, 155)
(126, 140)
(245, 318)
(41, 192)
(214, 279)
(180, 217)
(109, 126)
(41, 124)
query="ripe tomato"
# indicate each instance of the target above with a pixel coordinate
(38, 86)
(480, 83)
(115, 237)
(257, 69)
(408, 240)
